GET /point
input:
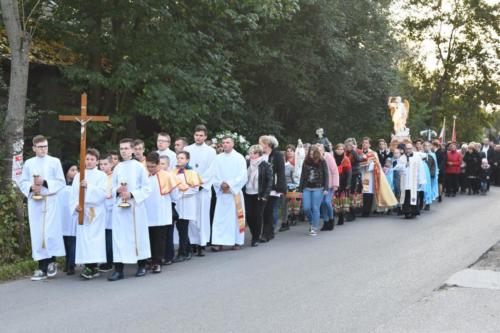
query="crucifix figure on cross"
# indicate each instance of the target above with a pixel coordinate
(83, 119)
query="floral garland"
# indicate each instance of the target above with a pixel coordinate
(240, 142)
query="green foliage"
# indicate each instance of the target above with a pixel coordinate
(17, 269)
(461, 39)
(168, 65)
(10, 230)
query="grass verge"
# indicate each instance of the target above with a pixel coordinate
(16, 270)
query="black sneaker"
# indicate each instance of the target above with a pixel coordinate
(141, 271)
(116, 276)
(105, 268)
(200, 252)
(178, 259)
(71, 271)
(284, 227)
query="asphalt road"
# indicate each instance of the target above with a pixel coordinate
(368, 275)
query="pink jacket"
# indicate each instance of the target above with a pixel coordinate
(333, 171)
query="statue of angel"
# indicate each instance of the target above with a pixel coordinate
(399, 112)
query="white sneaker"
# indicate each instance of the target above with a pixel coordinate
(312, 232)
(38, 276)
(52, 270)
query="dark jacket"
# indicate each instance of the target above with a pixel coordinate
(472, 164)
(442, 158)
(277, 162)
(354, 158)
(321, 169)
(265, 181)
(383, 156)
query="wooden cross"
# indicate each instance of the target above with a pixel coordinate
(83, 119)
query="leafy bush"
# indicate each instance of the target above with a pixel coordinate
(14, 236)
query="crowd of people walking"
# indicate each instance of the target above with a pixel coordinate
(137, 207)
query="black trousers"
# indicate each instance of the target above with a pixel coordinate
(408, 209)
(268, 218)
(169, 243)
(451, 183)
(119, 266)
(420, 200)
(473, 184)
(43, 264)
(213, 202)
(462, 181)
(109, 246)
(367, 203)
(254, 210)
(182, 229)
(70, 248)
(157, 240)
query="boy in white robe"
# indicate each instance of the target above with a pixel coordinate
(169, 246)
(106, 166)
(90, 236)
(159, 207)
(70, 169)
(130, 222)
(187, 204)
(201, 159)
(41, 180)
(163, 144)
(229, 177)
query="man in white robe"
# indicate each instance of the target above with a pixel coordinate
(41, 180)
(202, 157)
(412, 175)
(229, 172)
(91, 235)
(130, 222)
(163, 143)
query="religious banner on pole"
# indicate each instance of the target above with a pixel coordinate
(442, 135)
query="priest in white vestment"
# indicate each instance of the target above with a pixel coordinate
(129, 220)
(42, 179)
(412, 175)
(202, 157)
(229, 172)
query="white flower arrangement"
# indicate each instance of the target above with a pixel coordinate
(240, 142)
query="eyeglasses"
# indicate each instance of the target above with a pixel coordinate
(42, 147)
(163, 140)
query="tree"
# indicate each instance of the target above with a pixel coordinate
(459, 40)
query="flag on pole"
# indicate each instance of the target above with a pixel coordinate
(454, 133)
(443, 132)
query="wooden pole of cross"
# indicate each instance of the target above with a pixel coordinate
(83, 119)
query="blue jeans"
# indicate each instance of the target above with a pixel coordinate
(311, 203)
(276, 207)
(327, 212)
